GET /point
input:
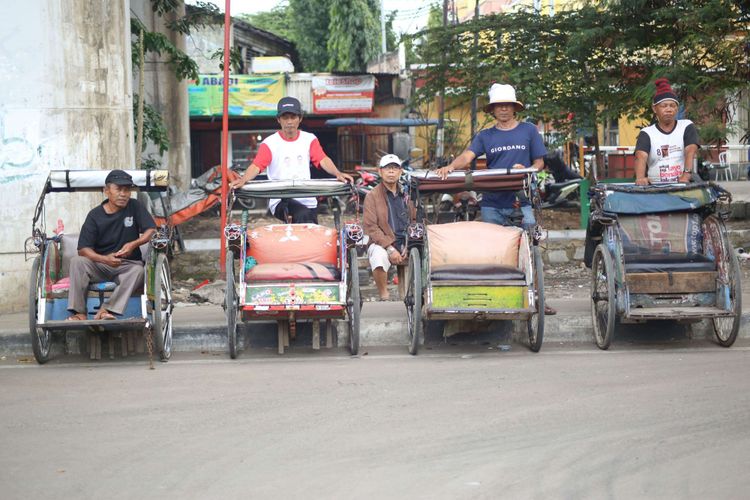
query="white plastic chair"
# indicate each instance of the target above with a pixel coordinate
(722, 168)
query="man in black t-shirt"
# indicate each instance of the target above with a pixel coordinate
(108, 248)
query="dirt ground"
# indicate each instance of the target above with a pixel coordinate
(561, 280)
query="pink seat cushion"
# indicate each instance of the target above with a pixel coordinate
(293, 271)
(293, 243)
(478, 244)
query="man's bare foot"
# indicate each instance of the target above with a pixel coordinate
(104, 314)
(77, 317)
(385, 297)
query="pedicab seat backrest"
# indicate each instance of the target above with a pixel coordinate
(665, 242)
(293, 252)
(474, 251)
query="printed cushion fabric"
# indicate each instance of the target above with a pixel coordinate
(293, 243)
(474, 244)
(303, 271)
(667, 234)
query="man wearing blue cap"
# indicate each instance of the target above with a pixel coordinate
(286, 155)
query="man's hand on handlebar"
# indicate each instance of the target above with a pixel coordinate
(443, 172)
(342, 177)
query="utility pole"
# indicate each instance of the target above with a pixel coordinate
(440, 147)
(474, 97)
(382, 26)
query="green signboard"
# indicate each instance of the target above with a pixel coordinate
(249, 95)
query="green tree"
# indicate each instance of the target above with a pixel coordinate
(310, 20)
(278, 21)
(354, 34)
(580, 68)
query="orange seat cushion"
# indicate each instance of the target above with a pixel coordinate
(293, 243)
(293, 271)
(474, 243)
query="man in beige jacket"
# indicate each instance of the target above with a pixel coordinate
(387, 214)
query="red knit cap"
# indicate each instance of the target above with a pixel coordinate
(664, 91)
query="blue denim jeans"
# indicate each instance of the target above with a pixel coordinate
(501, 216)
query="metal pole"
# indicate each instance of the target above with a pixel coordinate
(225, 137)
(439, 150)
(382, 26)
(474, 97)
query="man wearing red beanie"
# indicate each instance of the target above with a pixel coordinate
(664, 151)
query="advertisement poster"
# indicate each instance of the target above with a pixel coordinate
(249, 95)
(339, 94)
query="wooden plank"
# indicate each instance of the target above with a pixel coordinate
(124, 344)
(666, 283)
(677, 312)
(281, 326)
(316, 334)
(329, 334)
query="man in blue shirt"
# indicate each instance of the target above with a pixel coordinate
(509, 144)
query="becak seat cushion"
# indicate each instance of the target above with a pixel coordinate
(293, 243)
(293, 271)
(670, 263)
(473, 244)
(476, 273)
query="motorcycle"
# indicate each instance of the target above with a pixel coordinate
(559, 185)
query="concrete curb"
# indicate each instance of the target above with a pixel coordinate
(383, 325)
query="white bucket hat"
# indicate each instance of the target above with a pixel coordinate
(388, 159)
(502, 94)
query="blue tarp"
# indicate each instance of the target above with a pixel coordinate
(634, 203)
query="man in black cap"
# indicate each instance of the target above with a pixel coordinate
(286, 155)
(664, 151)
(108, 248)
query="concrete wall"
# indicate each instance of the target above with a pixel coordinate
(66, 103)
(167, 95)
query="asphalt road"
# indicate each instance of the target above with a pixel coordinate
(660, 421)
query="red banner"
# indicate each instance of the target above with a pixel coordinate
(339, 94)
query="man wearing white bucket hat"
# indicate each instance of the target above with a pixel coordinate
(508, 144)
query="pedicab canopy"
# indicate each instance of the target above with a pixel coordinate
(480, 180)
(93, 180)
(293, 189)
(629, 199)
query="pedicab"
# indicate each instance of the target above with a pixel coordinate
(471, 270)
(150, 311)
(661, 252)
(291, 273)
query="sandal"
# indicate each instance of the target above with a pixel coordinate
(77, 317)
(549, 311)
(103, 314)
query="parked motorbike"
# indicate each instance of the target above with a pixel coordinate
(559, 185)
(463, 206)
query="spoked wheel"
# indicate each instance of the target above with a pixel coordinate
(413, 299)
(535, 324)
(230, 305)
(163, 306)
(603, 297)
(726, 328)
(41, 338)
(353, 301)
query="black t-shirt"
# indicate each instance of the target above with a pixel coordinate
(106, 233)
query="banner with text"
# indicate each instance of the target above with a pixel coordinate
(249, 95)
(338, 94)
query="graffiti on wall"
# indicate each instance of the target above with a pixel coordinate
(16, 156)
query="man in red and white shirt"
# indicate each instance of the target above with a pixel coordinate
(286, 155)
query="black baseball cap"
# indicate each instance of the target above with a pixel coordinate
(119, 177)
(288, 105)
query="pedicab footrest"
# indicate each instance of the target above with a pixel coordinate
(293, 271)
(476, 273)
